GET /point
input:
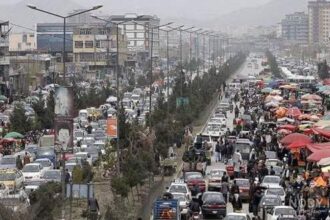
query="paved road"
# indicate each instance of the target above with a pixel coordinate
(243, 72)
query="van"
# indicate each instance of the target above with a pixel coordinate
(11, 178)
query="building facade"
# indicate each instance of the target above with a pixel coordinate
(319, 21)
(22, 42)
(95, 47)
(294, 28)
(139, 34)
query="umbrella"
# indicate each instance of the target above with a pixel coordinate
(272, 104)
(315, 118)
(288, 127)
(318, 155)
(324, 161)
(267, 90)
(111, 99)
(284, 131)
(324, 88)
(294, 137)
(14, 135)
(304, 117)
(311, 97)
(294, 112)
(281, 112)
(297, 144)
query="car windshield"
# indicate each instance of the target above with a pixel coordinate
(7, 176)
(243, 183)
(216, 173)
(212, 197)
(178, 188)
(271, 179)
(275, 191)
(193, 176)
(271, 201)
(52, 174)
(180, 197)
(5, 160)
(285, 211)
(235, 217)
(45, 151)
(31, 169)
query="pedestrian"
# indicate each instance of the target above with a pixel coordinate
(26, 158)
(217, 152)
(237, 202)
(255, 201)
(19, 164)
(234, 188)
(272, 171)
(224, 177)
(225, 190)
(67, 176)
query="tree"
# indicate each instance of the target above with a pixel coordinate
(19, 122)
(323, 70)
(120, 186)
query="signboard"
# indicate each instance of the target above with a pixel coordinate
(63, 101)
(182, 101)
(64, 132)
(112, 127)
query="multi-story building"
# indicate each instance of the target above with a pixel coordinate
(294, 28)
(319, 21)
(139, 34)
(95, 47)
(21, 42)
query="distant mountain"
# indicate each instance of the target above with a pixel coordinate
(267, 14)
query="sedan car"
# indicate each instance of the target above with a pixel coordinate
(195, 178)
(183, 202)
(244, 188)
(8, 162)
(52, 176)
(271, 181)
(279, 191)
(237, 216)
(46, 163)
(213, 204)
(32, 171)
(214, 179)
(281, 211)
(267, 203)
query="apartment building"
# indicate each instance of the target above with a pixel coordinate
(319, 21)
(294, 28)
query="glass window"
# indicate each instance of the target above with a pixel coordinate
(78, 44)
(89, 44)
(140, 35)
(130, 26)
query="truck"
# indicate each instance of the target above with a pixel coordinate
(47, 141)
(166, 209)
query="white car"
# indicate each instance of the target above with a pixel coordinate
(281, 210)
(183, 202)
(279, 191)
(220, 117)
(84, 156)
(46, 163)
(179, 187)
(32, 171)
(237, 216)
(271, 181)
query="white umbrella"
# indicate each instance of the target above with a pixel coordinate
(111, 99)
(324, 161)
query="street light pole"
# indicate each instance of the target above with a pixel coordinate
(64, 28)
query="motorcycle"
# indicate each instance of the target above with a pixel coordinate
(195, 216)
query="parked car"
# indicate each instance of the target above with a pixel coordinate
(32, 171)
(213, 204)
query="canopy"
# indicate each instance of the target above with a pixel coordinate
(297, 144)
(267, 90)
(284, 131)
(294, 137)
(294, 112)
(311, 97)
(288, 127)
(318, 146)
(14, 135)
(322, 123)
(322, 132)
(324, 161)
(318, 155)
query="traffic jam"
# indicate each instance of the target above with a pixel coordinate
(263, 153)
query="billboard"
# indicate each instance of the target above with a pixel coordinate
(112, 127)
(64, 132)
(64, 102)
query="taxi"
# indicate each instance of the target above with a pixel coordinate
(11, 178)
(179, 186)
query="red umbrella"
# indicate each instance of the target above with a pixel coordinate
(295, 137)
(318, 155)
(294, 112)
(288, 127)
(284, 131)
(326, 81)
(297, 144)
